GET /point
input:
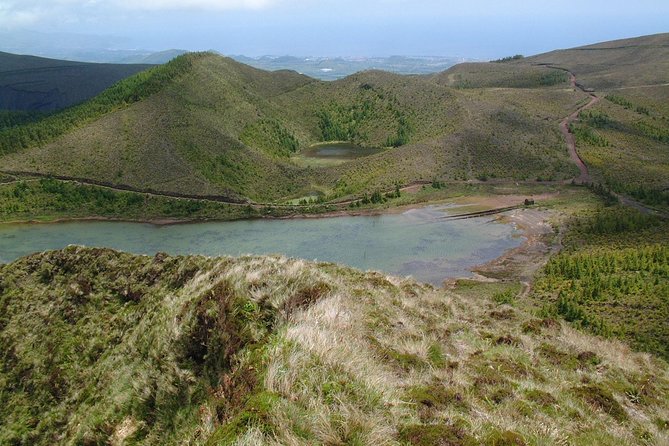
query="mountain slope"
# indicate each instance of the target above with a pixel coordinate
(215, 128)
(208, 125)
(105, 347)
(623, 138)
(29, 83)
(619, 63)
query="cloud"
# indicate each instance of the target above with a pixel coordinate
(211, 5)
(18, 13)
(11, 15)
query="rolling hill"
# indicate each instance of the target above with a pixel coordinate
(211, 130)
(619, 63)
(624, 138)
(29, 83)
(208, 125)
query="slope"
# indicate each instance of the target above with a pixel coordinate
(29, 83)
(627, 62)
(623, 138)
(221, 127)
(105, 347)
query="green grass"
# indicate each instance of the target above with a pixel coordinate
(270, 136)
(624, 141)
(105, 347)
(502, 75)
(609, 65)
(49, 199)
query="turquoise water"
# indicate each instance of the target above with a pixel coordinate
(417, 243)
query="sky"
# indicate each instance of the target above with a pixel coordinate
(480, 29)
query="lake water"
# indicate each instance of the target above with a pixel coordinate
(417, 243)
(339, 151)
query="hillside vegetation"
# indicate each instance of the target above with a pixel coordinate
(618, 63)
(100, 347)
(208, 125)
(612, 278)
(625, 140)
(29, 83)
(220, 127)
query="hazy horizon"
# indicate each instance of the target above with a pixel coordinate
(479, 29)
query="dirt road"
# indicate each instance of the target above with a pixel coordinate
(584, 176)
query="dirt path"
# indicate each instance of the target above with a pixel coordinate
(584, 176)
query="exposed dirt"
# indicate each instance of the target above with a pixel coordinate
(482, 202)
(584, 176)
(521, 263)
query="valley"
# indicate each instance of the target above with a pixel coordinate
(511, 217)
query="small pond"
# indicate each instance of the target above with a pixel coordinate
(339, 151)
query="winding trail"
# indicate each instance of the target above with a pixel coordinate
(584, 176)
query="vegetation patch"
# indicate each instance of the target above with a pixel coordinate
(436, 396)
(608, 289)
(100, 347)
(435, 434)
(271, 136)
(602, 399)
(504, 438)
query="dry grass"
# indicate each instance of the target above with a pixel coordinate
(489, 375)
(328, 355)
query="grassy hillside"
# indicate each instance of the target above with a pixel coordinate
(612, 278)
(625, 140)
(208, 125)
(501, 75)
(221, 127)
(628, 62)
(47, 199)
(29, 83)
(103, 347)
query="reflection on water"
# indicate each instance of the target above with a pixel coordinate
(339, 151)
(416, 243)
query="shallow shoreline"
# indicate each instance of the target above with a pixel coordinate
(517, 263)
(487, 201)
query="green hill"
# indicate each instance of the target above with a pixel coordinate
(208, 125)
(100, 347)
(217, 128)
(29, 83)
(625, 137)
(619, 63)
